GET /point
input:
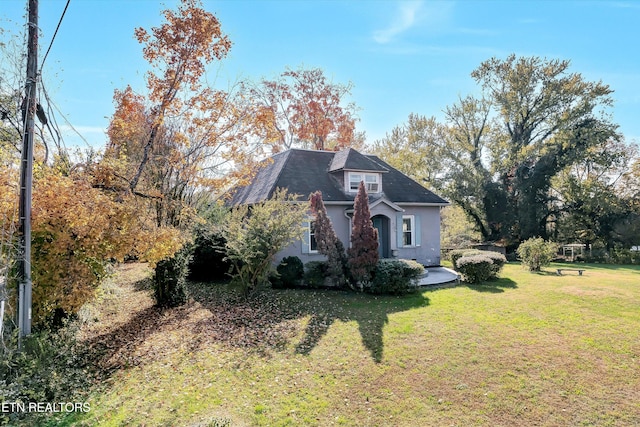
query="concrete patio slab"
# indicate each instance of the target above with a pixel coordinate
(438, 276)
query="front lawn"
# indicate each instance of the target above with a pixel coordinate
(527, 349)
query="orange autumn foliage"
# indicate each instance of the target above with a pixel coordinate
(181, 140)
(302, 108)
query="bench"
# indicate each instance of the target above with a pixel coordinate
(560, 270)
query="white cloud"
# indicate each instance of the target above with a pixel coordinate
(406, 17)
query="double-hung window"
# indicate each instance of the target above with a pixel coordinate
(408, 230)
(371, 181)
(313, 244)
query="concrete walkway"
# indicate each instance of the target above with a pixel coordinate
(438, 276)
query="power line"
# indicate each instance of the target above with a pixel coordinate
(54, 35)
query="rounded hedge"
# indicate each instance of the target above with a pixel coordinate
(395, 277)
(475, 268)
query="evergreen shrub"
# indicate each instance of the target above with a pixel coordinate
(456, 254)
(315, 273)
(209, 261)
(290, 273)
(475, 268)
(170, 278)
(395, 277)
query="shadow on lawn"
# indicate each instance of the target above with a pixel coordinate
(268, 319)
(495, 286)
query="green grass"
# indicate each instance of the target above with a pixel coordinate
(527, 349)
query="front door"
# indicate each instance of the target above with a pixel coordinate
(381, 223)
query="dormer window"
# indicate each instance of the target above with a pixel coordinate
(371, 181)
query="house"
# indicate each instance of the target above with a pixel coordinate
(406, 215)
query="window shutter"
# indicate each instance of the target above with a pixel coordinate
(305, 237)
(418, 231)
(399, 235)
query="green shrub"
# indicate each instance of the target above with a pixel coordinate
(209, 261)
(498, 259)
(456, 254)
(395, 277)
(256, 233)
(475, 268)
(536, 252)
(315, 273)
(624, 256)
(290, 272)
(169, 280)
(50, 368)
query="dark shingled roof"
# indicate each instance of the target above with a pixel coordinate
(352, 160)
(303, 172)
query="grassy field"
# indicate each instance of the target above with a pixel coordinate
(528, 349)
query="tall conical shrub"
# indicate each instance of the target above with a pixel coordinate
(327, 241)
(363, 254)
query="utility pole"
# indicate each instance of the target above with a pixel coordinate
(26, 177)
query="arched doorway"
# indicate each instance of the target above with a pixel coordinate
(381, 223)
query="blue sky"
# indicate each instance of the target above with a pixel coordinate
(402, 57)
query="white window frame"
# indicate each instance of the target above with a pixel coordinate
(372, 181)
(311, 236)
(411, 231)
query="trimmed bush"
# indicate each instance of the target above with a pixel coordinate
(498, 259)
(169, 280)
(456, 254)
(475, 268)
(395, 277)
(290, 273)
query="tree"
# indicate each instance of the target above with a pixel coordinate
(256, 233)
(419, 135)
(182, 137)
(328, 242)
(303, 109)
(549, 117)
(363, 253)
(468, 182)
(457, 232)
(181, 47)
(498, 154)
(595, 199)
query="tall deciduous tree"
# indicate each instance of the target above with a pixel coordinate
(182, 136)
(594, 199)
(304, 109)
(327, 240)
(363, 253)
(499, 153)
(549, 116)
(179, 49)
(418, 135)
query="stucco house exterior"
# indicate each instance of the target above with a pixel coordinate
(406, 215)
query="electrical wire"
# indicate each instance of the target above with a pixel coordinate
(56, 134)
(54, 35)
